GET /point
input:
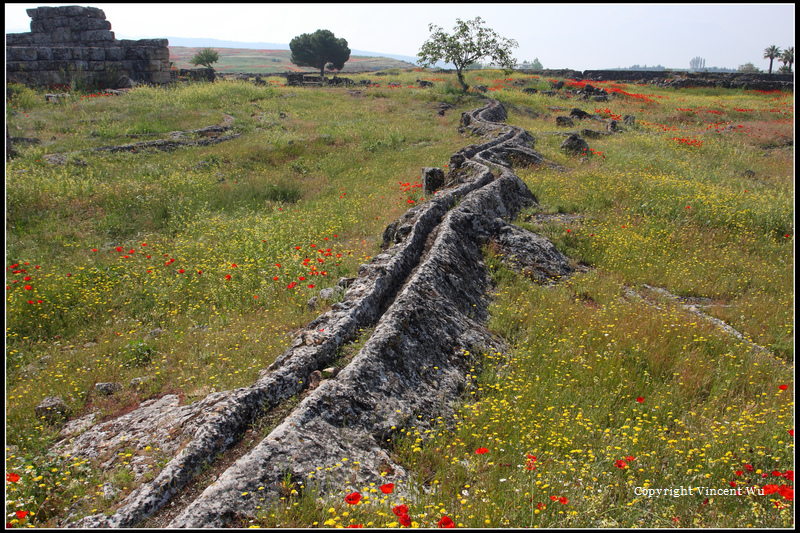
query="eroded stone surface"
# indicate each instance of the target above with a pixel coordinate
(427, 297)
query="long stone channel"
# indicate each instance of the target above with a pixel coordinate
(426, 297)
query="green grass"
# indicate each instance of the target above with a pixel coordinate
(204, 243)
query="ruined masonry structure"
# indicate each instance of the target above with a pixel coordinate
(70, 41)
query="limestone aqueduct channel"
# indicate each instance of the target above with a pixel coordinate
(426, 298)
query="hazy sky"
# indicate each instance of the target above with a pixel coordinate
(577, 36)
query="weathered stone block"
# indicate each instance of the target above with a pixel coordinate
(19, 39)
(41, 38)
(95, 53)
(44, 53)
(71, 11)
(161, 53)
(22, 53)
(160, 77)
(113, 54)
(432, 179)
(61, 35)
(61, 53)
(52, 410)
(96, 35)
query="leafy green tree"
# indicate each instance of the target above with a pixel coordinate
(469, 42)
(536, 65)
(320, 49)
(205, 57)
(771, 53)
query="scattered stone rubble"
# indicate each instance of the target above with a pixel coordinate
(426, 297)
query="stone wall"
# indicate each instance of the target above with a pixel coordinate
(678, 78)
(74, 41)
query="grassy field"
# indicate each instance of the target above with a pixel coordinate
(233, 60)
(191, 268)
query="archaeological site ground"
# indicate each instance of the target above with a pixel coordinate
(556, 300)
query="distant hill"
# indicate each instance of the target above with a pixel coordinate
(266, 61)
(245, 56)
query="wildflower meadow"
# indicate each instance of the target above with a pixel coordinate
(620, 401)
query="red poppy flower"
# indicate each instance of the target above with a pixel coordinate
(233, 265)
(352, 498)
(541, 506)
(400, 509)
(739, 472)
(227, 276)
(353, 526)
(445, 521)
(275, 278)
(620, 463)
(791, 432)
(749, 468)
(640, 399)
(787, 492)
(12, 477)
(199, 271)
(22, 514)
(783, 387)
(481, 451)
(28, 288)
(181, 271)
(387, 488)
(563, 500)
(732, 484)
(770, 489)
(26, 278)
(119, 248)
(554, 498)
(789, 474)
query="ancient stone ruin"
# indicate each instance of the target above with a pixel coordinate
(426, 298)
(72, 43)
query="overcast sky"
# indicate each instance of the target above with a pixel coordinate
(577, 36)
